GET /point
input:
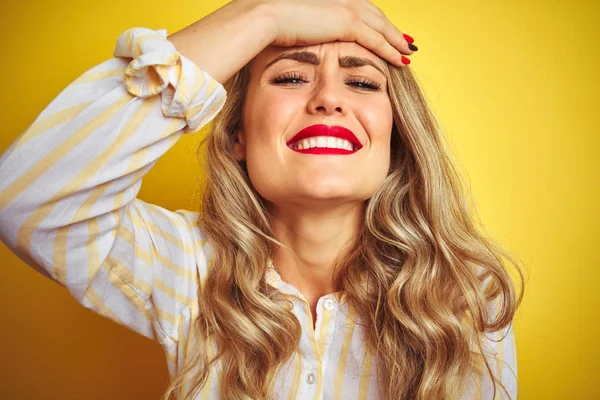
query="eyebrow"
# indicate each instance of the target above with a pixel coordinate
(311, 58)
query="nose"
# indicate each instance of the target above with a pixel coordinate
(328, 98)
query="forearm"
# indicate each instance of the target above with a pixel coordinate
(221, 44)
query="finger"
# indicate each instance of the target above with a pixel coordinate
(376, 42)
(376, 19)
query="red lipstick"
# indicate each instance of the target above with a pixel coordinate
(325, 130)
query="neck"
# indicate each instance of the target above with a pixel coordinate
(316, 238)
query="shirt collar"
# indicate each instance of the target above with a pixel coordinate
(274, 279)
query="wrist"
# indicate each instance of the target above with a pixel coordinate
(265, 13)
(226, 40)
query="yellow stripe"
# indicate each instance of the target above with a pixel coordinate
(113, 264)
(313, 345)
(129, 41)
(43, 124)
(94, 76)
(153, 257)
(28, 227)
(175, 241)
(210, 112)
(164, 315)
(154, 209)
(162, 70)
(91, 249)
(324, 332)
(119, 200)
(121, 283)
(212, 86)
(118, 203)
(183, 87)
(199, 82)
(365, 377)
(172, 293)
(134, 298)
(146, 289)
(21, 184)
(297, 374)
(139, 40)
(60, 240)
(153, 81)
(82, 214)
(135, 165)
(172, 358)
(213, 108)
(129, 236)
(43, 165)
(338, 382)
(60, 255)
(100, 307)
(321, 347)
(67, 114)
(125, 283)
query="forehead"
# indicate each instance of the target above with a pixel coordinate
(323, 50)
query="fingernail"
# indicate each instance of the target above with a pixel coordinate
(405, 60)
(412, 47)
(409, 39)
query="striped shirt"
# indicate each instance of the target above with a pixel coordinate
(68, 209)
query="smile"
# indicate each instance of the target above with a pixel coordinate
(323, 139)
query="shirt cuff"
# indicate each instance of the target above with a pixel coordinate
(158, 68)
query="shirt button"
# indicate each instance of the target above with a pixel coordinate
(329, 304)
(310, 378)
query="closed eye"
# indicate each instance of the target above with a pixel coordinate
(360, 83)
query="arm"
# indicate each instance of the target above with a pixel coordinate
(68, 186)
(248, 26)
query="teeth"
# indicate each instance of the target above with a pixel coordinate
(323, 142)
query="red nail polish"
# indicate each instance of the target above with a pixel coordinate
(405, 60)
(409, 39)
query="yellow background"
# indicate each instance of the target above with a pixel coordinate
(515, 86)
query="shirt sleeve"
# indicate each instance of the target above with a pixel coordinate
(68, 185)
(500, 350)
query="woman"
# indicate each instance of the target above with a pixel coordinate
(334, 255)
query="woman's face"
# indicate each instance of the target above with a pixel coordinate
(276, 109)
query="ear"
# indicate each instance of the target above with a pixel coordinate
(239, 147)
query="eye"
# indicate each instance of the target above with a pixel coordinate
(368, 84)
(288, 78)
(360, 83)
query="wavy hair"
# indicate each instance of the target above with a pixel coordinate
(420, 276)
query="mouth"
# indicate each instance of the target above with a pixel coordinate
(324, 139)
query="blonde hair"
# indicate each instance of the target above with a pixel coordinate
(420, 275)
